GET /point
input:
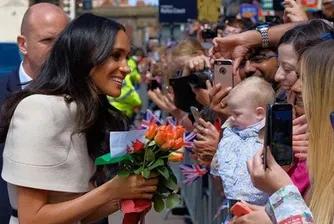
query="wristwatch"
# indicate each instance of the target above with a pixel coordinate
(263, 29)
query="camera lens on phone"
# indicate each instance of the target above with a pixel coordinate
(222, 70)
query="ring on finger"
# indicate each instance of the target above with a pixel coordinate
(200, 137)
(223, 105)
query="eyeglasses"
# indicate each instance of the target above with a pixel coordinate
(258, 58)
(226, 33)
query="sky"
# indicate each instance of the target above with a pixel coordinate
(154, 2)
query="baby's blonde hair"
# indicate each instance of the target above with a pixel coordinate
(254, 90)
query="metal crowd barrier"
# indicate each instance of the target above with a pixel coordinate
(200, 197)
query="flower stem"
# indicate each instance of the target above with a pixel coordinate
(144, 162)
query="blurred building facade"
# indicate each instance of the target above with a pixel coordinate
(141, 19)
(11, 14)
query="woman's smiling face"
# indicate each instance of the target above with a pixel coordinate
(108, 77)
(286, 74)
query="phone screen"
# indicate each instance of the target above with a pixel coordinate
(281, 134)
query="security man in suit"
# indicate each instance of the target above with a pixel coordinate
(40, 26)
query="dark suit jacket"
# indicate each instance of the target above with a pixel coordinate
(8, 84)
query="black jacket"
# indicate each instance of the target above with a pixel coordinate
(8, 84)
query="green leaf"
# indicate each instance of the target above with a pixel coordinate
(152, 143)
(164, 172)
(108, 159)
(123, 173)
(138, 171)
(163, 196)
(159, 204)
(162, 189)
(157, 163)
(150, 156)
(173, 177)
(172, 201)
(170, 184)
(146, 173)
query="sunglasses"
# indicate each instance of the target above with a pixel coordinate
(332, 119)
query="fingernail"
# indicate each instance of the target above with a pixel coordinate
(218, 85)
(229, 88)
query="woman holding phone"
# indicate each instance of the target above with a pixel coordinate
(55, 128)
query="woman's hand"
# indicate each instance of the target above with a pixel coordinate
(218, 99)
(300, 140)
(196, 64)
(294, 11)
(133, 187)
(206, 145)
(164, 102)
(270, 179)
(258, 216)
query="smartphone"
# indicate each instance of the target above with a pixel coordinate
(196, 114)
(223, 73)
(240, 209)
(278, 134)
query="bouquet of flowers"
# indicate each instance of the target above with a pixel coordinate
(150, 152)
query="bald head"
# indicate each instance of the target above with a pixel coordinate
(41, 25)
(39, 12)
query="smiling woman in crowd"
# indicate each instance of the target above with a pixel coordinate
(316, 69)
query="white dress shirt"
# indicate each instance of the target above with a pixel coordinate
(24, 77)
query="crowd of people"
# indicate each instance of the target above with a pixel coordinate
(79, 80)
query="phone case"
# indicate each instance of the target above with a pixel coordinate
(240, 209)
(280, 156)
(196, 114)
(266, 142)
(223, 73)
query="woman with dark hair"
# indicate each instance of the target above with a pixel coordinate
(55, 128)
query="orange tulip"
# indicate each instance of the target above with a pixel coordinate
(179, 143)
(160, 138)
(162, 128)
(175, 157)
(151, 131)
(168, 145)
(179, 131)
(137, 146)
(169, 128)
(171, 136)
(171, 132)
